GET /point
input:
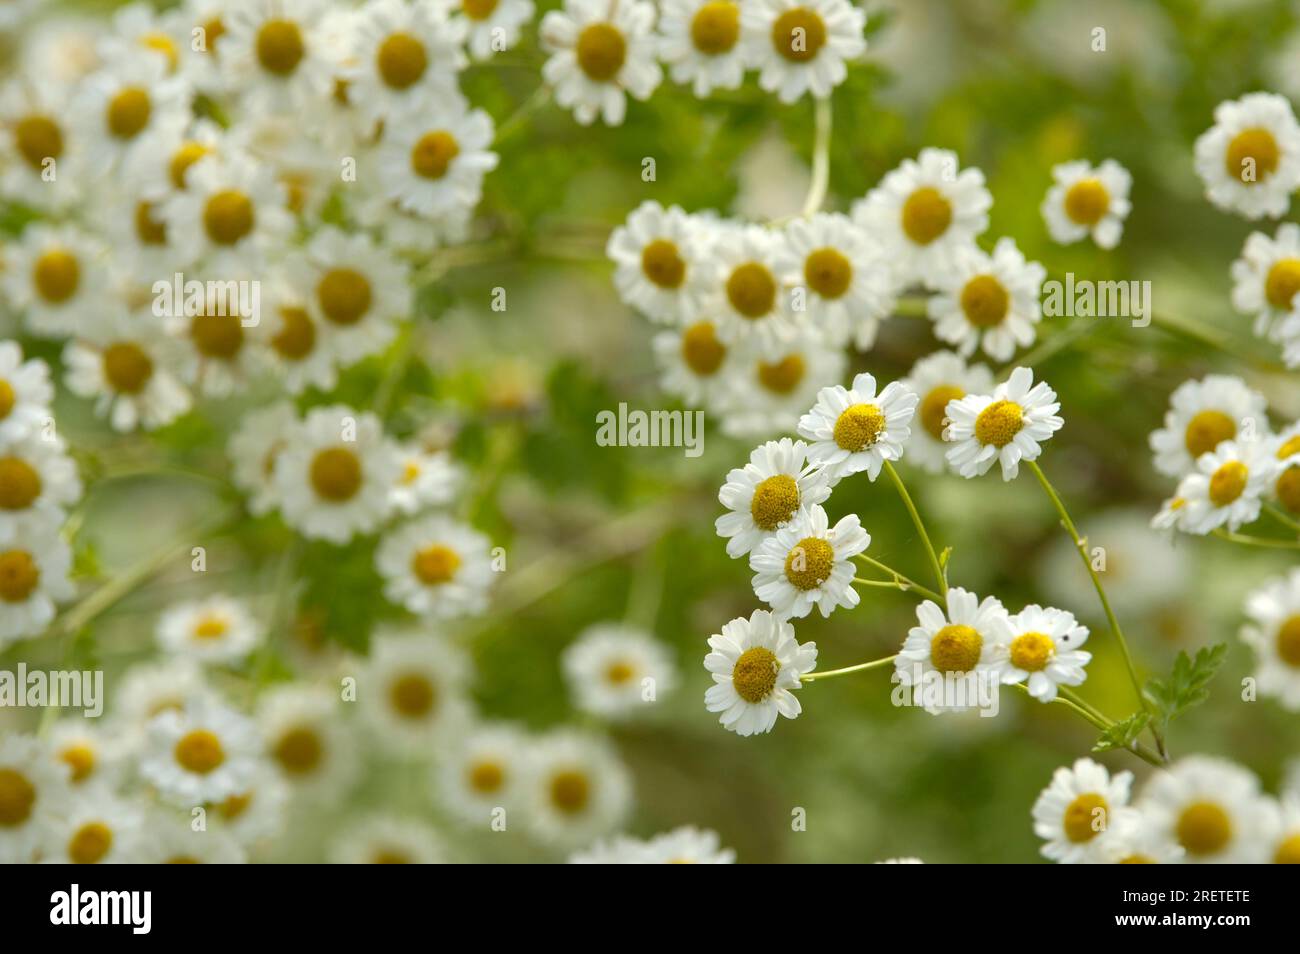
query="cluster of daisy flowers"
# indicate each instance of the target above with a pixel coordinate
(1200, 810)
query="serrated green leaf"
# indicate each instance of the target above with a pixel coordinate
(1186, 685)
(1123, 734)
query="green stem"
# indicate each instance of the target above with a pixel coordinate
(516, 120)
(901, 581)
(905, 587)
(920, 528)
(1281, 517)
(1098, 721)
(1249, 541)
(1115, 629)
(821, 157)
(860, 667)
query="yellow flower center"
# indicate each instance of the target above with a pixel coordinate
(781, 377)
(412, 695)
(7, 398)
(1085, 817)
(1283, 282)
(217, 336)
(336, 474)
(344, 295)
(601, 51)
(926, 215)
(162, 43)
(435, 564)
(702, 352)
(80, 759)
(1207, 430)
(1288, 852)
(828, 272)
(799, 34)
(184, 157)
(618, 673)
(56, 275)
(1228, 482)
(956, 648)
(211, 627)
(775, 501)
(715, 27)
(809, 563)
(999, 423)
(1288, 488)
(432, 154)
(213, 30)
(984, 299)
(934, 408)
(754, 674)
(662, 264)
(751, 289)
(148, 229)
(280, 47)
(18, 575)
(1087, 201)
(20, 484)
(126, 367)
(1288, 641)
(478, 9)
(402, 60)
(1204, 828)
(1252, 156)
(1032, 651)
(128, 112)
(299, 750)
(38, 138)
(199, 751)
(235, 805)
(570, 791)
(17, 796)
(486, 777)
(1136, 860)
(90, 844)
(297, 335)
(228, 216)
(859, 427)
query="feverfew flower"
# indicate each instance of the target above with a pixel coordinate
(1202, 415)
(988, 301)
(1249, 159)
(800, 46)
(216, 629)
(34, 795)
(413, 690)
(765, 394)
(617, 671)
(1076, 813)
(755, 663)
(748, 302)
(1274, 634)
(1226, 487)
(937, 379)
(767, 493)
(403, 55)
(25, 393)
(687, 845)
(1087, 201)
(855, 429)
(1044, 649)
(808, 563)
(1210, 807)
(661, 264)
(436, 567)
(695, 365)
(598, 56)
(1008, 426)
(203, 753)
(963, 640)
(700, 40)
(1266, 278)
(483, 772)
(494, 25)
(577, 788)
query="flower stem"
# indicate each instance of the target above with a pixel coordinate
(860, 667)
(920, 528)
(1098, 721)
(1249, 541)
(821, 157)
(515, 121)
(1281, 517)
(1101, 592)
(901, 581)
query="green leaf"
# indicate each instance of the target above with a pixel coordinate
(1123, 734)
(1186, 685)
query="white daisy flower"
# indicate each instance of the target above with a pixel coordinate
(855, 429)
(494, 26)
(436, 567)
(599, 53)
(138, 29)
(203, 22)
(203, 753)
(1282, 830)
(34, 796)
(126, 108)
(257, 814)
(577, 787)
(387, 840)
(149, 689)
(1008, 426)
(1080, 810)
(661, 261)
(308, 744)
(924, 212)
(98, 830)
(1249, 160)
(1044, 649)
(42, 165)
(1286, 450)
(356, 292)
(483, 772)
(215, 629)
(165, 168)
(25, 393)
(94, 757)
(35, 562)
(37, 478)
(1226, 487)
(839, 278)
(800, 46)
(1087, 200)
(809, 563)
(333, 477)
(695, 366)
(963, 640)
(688, 845)
(428, 479)
(615, 671)
(988, 301)
(700, 41)
(402, 55)
(276, 55)
(1202, 415)
(755, 663)
(1266, 277)
(1132, 840)
(777, 485)
(1274, 634)
(1211, 807)
(169, 840)
(253, 450)
(124, 366)
(412, 691)
(297, 340)
(937, 379)
(747, 301)
(431, 163)
(55, 275)
(216, 351)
